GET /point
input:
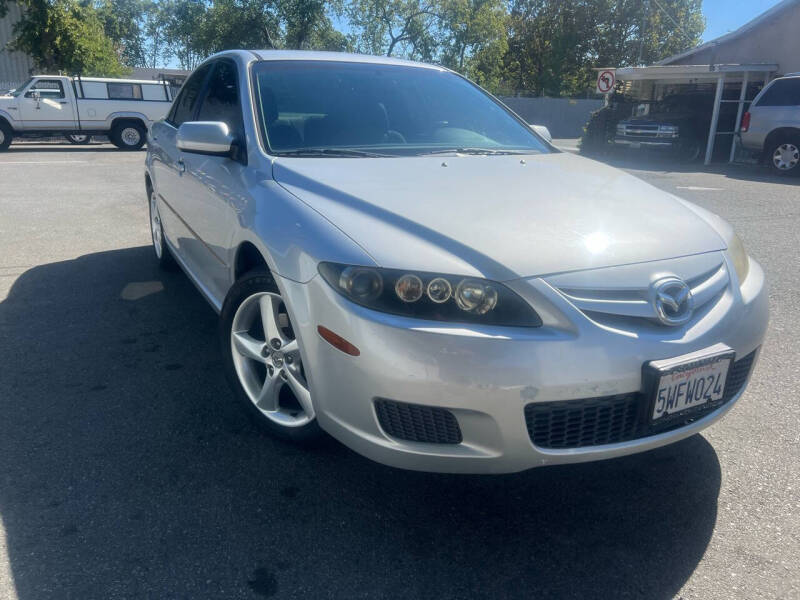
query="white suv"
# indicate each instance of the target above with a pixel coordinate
(772, 125)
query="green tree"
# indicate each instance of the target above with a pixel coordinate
(63, 35)
(395, 27)
(473, 38)
(122, 23)
(553, 44)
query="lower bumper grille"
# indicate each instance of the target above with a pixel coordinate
(418, 423)
(614, 419)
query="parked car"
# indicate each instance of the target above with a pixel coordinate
(79, 107)
(678, 124)
(772, 125)
(399, 260)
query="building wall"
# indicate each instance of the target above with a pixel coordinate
(564, 117)
(774, 41)
(15, 67)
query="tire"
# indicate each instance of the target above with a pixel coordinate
(78, 139)
(6, 135)
(266, 370)
(163, 254)
(783, 155)
(128, 135)
(691, 151)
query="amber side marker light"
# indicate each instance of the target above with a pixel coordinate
(337, 341)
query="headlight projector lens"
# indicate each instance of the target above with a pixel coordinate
(409, 288)
(475, 297)
(439, 290)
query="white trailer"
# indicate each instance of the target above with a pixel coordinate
(79, 107)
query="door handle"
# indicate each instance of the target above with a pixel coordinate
(181, 166)
(63, 101)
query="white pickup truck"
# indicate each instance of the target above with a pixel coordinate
(79, 107)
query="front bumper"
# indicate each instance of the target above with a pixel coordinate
(664, 143)
(486, 376)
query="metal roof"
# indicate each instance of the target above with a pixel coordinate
(690, 71)
(746, 28)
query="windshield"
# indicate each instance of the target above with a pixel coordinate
(18, 90)
(327, 108)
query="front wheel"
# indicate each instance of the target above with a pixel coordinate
(263, 363)
(163, 254)
(6, 135)
(784, 156)
(128, 136)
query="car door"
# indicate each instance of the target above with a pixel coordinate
(168, 168)
(214, 184)
(778, 106)
(46, 105)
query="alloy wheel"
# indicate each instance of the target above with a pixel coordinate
(130, 136)
(786, 157)
(266, 356)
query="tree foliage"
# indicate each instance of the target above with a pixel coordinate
(64, 35)
(532, 47)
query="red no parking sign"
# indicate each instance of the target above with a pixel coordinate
(605, 81)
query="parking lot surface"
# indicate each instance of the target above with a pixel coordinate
(126, 470)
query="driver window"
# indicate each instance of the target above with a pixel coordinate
(47, 88)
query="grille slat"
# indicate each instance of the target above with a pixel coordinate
(418, 423)
(615, 419)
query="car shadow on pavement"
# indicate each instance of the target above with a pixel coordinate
(60, 148)
(126, 471)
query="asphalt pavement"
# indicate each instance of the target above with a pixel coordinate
(127, 471)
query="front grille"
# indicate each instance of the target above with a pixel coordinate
(614, 419)
(418, 423)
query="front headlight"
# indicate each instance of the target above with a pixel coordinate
(431, 296)
(741, 263)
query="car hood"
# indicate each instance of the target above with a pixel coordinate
(500, 217)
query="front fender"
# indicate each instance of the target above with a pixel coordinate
(292, 237)
(6, 115)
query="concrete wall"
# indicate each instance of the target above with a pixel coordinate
(776, 40)
(564, 117)
(15, 67)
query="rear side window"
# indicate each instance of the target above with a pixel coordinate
(125, 91)
(221, 102)
(186, 102)
(784, 92)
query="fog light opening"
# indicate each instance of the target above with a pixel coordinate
(337, 341)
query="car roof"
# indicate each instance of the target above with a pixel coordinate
(286, 55)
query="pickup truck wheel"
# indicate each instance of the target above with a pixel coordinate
(6, 135)
(163, 254)
(128, 136)
(263, 362)
(78, 138)
(784, 155)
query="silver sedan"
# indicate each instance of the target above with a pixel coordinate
(400, 261)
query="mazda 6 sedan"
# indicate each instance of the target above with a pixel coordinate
(402, 262)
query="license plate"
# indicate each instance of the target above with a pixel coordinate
(636, 145)
(688, 382)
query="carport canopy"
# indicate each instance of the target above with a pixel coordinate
(688, 74)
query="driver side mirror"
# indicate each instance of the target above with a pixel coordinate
(543, 132)
(35, 94)
(212, 138)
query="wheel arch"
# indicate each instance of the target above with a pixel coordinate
(246, 258)
(116, 119)
(779, 133)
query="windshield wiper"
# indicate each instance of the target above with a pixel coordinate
(331, 152)
(470, 150)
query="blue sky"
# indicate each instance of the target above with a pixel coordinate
(723, 16)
